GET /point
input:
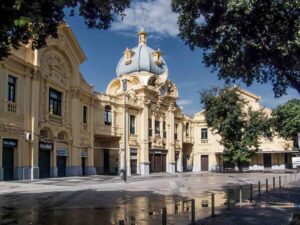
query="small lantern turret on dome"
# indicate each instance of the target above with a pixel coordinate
(142, 37)
(128, 55)
(157, 57)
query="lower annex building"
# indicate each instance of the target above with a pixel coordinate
(53, 124)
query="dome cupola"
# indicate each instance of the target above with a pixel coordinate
(141, 59)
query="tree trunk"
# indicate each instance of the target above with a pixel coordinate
(240, 167)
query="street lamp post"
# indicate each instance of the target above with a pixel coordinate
(124, 81)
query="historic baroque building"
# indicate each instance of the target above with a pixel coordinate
(53, 124)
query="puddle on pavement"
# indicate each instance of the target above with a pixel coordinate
(135, 210)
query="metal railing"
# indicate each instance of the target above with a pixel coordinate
(212, 203)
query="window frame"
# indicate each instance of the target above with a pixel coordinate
(11, 88)
(204, 135)
(108, 115)
(132, 124)
(55, 104)
(85, 114)
(157, 127)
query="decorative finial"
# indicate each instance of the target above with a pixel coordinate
(142, 36)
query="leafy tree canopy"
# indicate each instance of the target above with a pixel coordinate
(240, 127)
(32, 21)
(286, 120)
(245, 40)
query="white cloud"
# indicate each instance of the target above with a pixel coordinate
(184, 102)
(155, 16)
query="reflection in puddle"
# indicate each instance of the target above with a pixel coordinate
(79, 210)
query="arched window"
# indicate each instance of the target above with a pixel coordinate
(107, 115)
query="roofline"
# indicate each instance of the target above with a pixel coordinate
(79, 51)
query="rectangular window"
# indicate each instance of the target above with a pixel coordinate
(204, 135)
(132, 124)
(176, 128)
(157, 128)
(11, 95)
(84, 115)
(150, 127)
(164, 130)
(54, 102)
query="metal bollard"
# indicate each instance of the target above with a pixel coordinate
(267, 186)
(279, 182)
(213, 204)
(241, 196)
(228, 199)
(251, 192)
(121, 222)
(273, 183)
(164, 216)
(193, 213)
(259, 187)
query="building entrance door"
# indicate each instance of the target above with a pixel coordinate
(61, 166)
(8, 163)
(44, 163)
(133, 165)
(83, 161)
(267, 160)
(106, 161)
(158, 160)
(204, 162)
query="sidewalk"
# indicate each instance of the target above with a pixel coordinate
(273, 208)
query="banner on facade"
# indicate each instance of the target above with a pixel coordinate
(62, 152)
(10, 143)
(45, 146)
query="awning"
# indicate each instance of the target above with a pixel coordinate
(274, 152)
(267, 152)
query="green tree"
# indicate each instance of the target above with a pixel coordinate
(245, 40)
(240, 128)
(286, 120)
(32, 21)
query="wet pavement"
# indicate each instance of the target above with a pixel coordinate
(104, 200)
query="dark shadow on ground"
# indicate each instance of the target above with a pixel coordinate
(272, 208)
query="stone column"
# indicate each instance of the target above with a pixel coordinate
(53, 169)
(180, 162)
(144, 151)
(34, 146)
(91, 169)
(161, 120)
(171, 140)
(1, 149)
(153, 124)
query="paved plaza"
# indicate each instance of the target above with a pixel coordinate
(106, 199)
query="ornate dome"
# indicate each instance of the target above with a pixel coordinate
(141, 58)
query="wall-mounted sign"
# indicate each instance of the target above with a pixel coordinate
(133, 157)
(45, 146)
(62, 152)
(295, 162)
(84, 154)
(10, 143)
(133, 150)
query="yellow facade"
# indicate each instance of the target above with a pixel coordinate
(53, 124)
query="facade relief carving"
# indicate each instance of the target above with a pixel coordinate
(56, 67)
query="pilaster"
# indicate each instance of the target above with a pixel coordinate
(1, 149)
(171, 139)
(144, 157)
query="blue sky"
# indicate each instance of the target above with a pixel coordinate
(105, 48)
